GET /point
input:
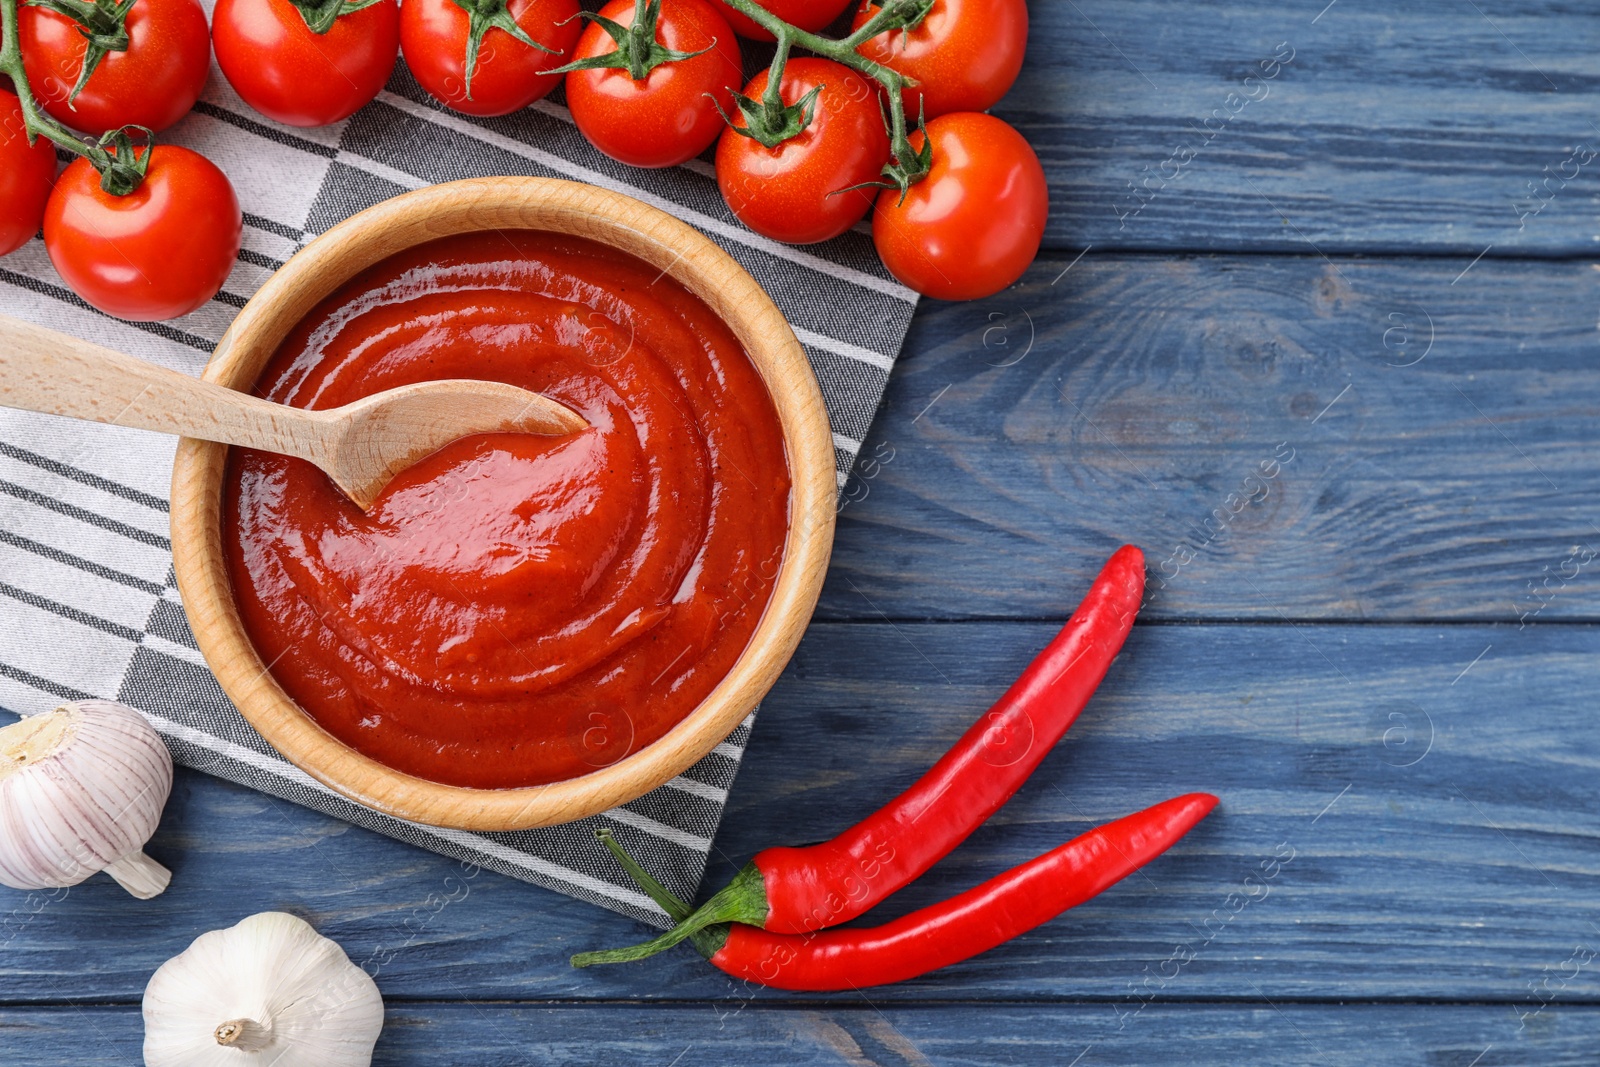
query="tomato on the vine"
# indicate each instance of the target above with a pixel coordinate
(793, 192)
(965, 53)
(290, 74)
(809, 15)
(153, 83)
(161, 251)
(671, 114)
(26, 173)
(509, 74)
(972, 226)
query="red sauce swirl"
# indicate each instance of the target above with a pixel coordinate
(516, 609)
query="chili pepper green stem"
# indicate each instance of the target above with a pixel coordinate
(676, 909)
(706, 941)
(741, 900)
(908, 166)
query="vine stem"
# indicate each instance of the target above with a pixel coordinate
(773, 98)
(844, 51)
(38, 123)
(121, 170)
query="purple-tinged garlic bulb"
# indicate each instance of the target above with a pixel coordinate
(81, 791)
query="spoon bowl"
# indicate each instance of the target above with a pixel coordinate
(377, 437)
(360, 446)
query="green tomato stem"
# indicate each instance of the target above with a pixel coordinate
(483, 16)
(909, 166)
(119, 175)
(637, 52)
(320, 15)
(773, 98)
(38, 124)
(103, 24)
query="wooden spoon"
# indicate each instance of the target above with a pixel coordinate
(361, 446)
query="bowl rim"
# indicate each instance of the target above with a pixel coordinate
(524, 203)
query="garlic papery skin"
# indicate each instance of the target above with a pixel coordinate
(81, 791)
(270, 991)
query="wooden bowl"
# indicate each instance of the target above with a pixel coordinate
(524, 204)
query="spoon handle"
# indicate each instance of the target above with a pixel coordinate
(42, 370)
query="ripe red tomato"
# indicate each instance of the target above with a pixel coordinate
(965, 53)
(972, 226)
(510, 75)
(811, 15)
(671, 116)
(26, 173)
(159, 252)
(789, 193)
(154, 83)
(286, 72)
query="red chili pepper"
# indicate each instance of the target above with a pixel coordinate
(1000, 909)
(796, 890)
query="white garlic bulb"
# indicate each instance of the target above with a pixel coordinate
(81, 791)
(270, 985)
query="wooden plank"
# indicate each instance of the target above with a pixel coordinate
(1251, 422)
(1420, 795)
(1347, 126)
(859, 1035)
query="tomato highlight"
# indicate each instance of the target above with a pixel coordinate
(972, 226)
(158, 252)
(295, 75)
(475, 56)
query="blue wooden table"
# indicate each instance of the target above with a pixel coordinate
(1315, 325)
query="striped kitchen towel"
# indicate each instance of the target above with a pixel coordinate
(87, 602)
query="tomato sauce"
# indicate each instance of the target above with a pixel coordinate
(516, 609)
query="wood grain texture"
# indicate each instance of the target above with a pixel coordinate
(510, 204)
(1433, 126)
(860, 1035)
(1388, 794)
(1285, 437)
(1351, 673)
